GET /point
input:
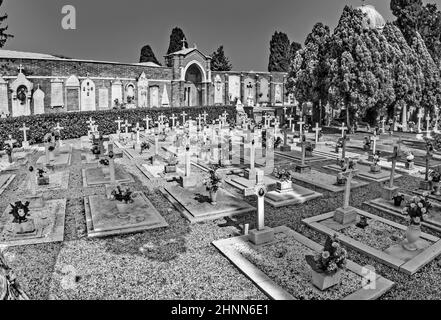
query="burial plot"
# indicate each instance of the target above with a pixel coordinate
(325, 181)
(5, 181)
(365, 173)
(264, 265)
(44, 224)
(59, 161)
(294, 194)
(389, 207)
(56, 181)
(106, 174)
(381, 239)
(194, 203)
(104, 217)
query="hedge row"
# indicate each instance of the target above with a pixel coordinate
(75, 123)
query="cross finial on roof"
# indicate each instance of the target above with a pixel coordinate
(183, 43)
(20, 68)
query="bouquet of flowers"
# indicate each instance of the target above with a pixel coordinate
(331, 259)
(122, 195)
(282, 175)
(172, 160)
(145, 146)
(376, 158)
(410, 157)
(213, 181)
(435, 175)
(417, 210)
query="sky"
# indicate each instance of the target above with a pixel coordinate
(115, 31)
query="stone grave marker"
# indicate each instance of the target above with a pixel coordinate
(25, 143)
(347, 214)
(391, 190)
(303, 167)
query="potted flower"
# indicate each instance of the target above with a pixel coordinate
(124, 198)
(435, 175)
(96, 151)
(398, 199)
(416, 211)
(8, 149)
(212, 184)
(328, 265)
(285, 179)
(172, 162)
(42, 180)
(409, 161)
(375, 167)
(309, 148)
(145, 146)
(339, 145)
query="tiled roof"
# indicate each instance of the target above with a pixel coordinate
(10, 54)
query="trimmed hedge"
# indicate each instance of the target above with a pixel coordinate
(75, 125)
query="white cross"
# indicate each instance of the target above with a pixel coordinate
(317, 129)
(284, 110)
(119, 121)
(225, 115)
(161, 118)
(147, 122)
(205, 114)
(301, 123)
(58, 128)
(183, 114)
(290, 119)
(173, 119)
(126, 125)
(374, 139)
(199, 118)
(24, 129)
(343, 129)
(420, 116)
(266, 117)
(11, 141)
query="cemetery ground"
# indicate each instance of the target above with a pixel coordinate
(180, 261)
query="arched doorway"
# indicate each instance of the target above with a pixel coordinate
(193, 86)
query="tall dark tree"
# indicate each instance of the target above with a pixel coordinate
(4, 36)
(279, 53)
(176, 43)
(308, 76)
(293, 49)
(219, 62)
(147, 55)
(414, 17)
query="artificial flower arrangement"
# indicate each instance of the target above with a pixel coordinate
(120, 194)
(376, 158)
(410, 157)
(398, 198)
(213, 181)
(145, 146)
(282, 175)
(435, 175)
(331, 259)
(417, 209)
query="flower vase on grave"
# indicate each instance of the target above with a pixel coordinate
(341, 179)
(409, 165)
(323, 281)
(413, 234)
(213, 197)
(123, 209)
(284, 186)
(398, 199)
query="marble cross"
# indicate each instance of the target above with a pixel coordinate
(343, 129)
(205, 114)
(183, 114)
(374, 139)
(349, 173)
(126, 125)
(290, 119)
(173, 118)
(11, 141)
(393, 159)
(260, 190)
(147, 123)
(301, 123)
(25, 130)
(317, 130)
(119, 121)
(91, 123)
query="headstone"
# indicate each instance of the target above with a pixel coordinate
(303, 167)
(103, 98)
(425, 184)
(261, 234)
(88, 96)
(116, 92)
(343, 130)
(38, 98)
(4, 100)
(154, 97)
(24, 129)
(391, 190)
(250, 173)
(301, 123)
(317, 131)
(346, 214)
(187, 181)
(57, 93)
(119, 121)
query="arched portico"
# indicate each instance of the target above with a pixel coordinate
(193, 85)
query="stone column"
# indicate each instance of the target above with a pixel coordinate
(242, 88)
(226, 88)
(270, 90)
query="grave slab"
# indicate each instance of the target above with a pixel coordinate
(433, 222)
(379, 241)
(247, 186)
(48, 220)
(101, 175)
(194, 203)
(325, 181)
(240, 252)
(364, 172)
(5, 166)
(5, 181)
(298, 195)
(297, 156)
(62, 160)
(157, 172)
(102, 216)
(57, 181)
